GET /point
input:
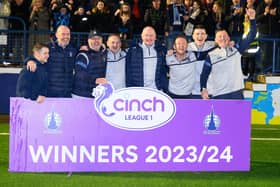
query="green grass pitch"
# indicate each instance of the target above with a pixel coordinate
(265, 170)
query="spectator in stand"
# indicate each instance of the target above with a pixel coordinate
(196, 17)
(156, 17)
(113, 5)
(117, 6)
(101, 19)
(123, 22)
(234, 19)
(215, 20)
(224, 63)
(137, 13)
(86, 4)
(39, 21)
(251, 57)
(90, 67)
(5, 10)
(20, 9)
(115, 70)
(251, 4)
(188, 6)
(268, 26)
(177, 15)
(54, 4)
(208, 4)
(61, 15)
(33, 85)
(145, 63)
(80, 21)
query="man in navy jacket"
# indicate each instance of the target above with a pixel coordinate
(145, 63)
(33, 85)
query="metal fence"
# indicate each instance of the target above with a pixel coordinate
(16, 45)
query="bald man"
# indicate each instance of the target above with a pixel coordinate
(145, 63)
(61, 64)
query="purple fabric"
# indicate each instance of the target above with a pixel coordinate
(71, 136)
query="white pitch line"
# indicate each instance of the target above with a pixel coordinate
(4, 133)
(266, 139)
(266, 129)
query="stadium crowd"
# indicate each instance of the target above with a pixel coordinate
(171, 18)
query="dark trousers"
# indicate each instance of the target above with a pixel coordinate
(233, 95)
(174, 96)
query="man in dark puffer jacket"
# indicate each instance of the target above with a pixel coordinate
(61, 64)
(145, 63)
(90, 67)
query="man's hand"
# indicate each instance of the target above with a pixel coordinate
(100, 81)
(84, 47)
(40, 99)
(273, 12)
(170, 52)
(204, 93)
(31, 66)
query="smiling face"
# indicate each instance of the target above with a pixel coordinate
(43, 54)
(95, 42)
(222, 38)
(148, 36)
(180, 45)
(100, 5)
(199, 36)
(114, 43)
(63, 36)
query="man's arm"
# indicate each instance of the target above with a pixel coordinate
(245, 43)
(207, 67)
(128, 68)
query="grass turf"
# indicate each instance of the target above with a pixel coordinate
(265, 170)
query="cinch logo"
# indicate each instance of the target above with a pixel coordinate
(134, 108)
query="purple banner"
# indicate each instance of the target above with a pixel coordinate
(82, 135)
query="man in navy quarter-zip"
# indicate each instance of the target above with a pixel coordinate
(224, 64)
(115, 70)
(145, 63)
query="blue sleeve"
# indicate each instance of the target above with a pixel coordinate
(245, 43)
(81, 61)
(128, 68)
(24, 84)
(201, 55)
(43, 87)
(207, 67)
(164, 72)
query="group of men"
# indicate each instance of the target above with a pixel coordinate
(196, 70)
